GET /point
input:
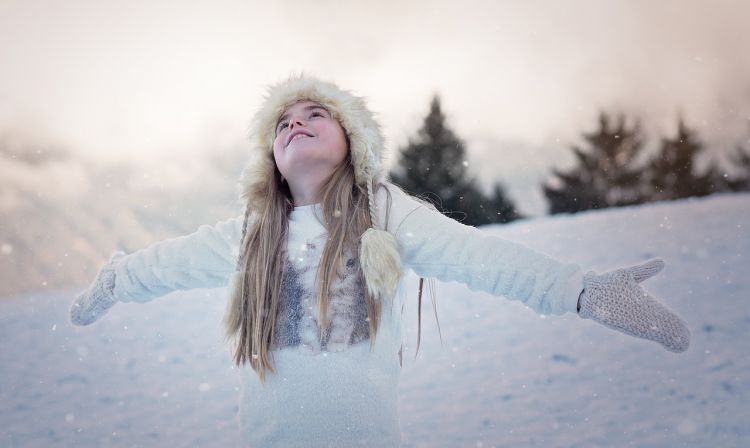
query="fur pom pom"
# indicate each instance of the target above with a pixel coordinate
(381, 263)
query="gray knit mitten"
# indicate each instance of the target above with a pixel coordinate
(616, 300)
(93, 303)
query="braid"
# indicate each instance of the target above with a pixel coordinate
(371, 201)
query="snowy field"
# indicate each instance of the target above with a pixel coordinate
(158, 375)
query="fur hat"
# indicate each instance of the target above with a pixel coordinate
(378, 250)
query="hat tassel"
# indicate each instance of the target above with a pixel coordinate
(379, 257)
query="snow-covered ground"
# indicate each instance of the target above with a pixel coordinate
(159, 375)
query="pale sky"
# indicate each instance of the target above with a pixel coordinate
(150, 80)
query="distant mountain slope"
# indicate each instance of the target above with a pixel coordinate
(60, 217)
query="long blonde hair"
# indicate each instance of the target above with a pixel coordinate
(250, 319)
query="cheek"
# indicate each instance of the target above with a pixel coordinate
(277, 157)
(277, 147)
(343, 147)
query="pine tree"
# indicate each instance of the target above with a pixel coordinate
(481, 209)
(741, 160)
(434, 166)
(503, 208)
(605, 175)
(672, 173)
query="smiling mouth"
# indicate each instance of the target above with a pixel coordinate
(297, 137)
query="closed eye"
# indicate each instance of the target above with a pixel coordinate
(284, 124)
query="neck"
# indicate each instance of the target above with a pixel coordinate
(305, 192)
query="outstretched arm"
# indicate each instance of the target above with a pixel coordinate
(434, 245)
(206, 258)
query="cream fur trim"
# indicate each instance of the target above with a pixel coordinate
(365, 136)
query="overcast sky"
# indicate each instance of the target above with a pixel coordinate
(148, 80)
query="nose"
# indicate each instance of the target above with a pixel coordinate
(295, 121)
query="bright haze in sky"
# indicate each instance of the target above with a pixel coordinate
(519, 81)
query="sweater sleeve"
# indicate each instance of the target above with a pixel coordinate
(205, 258)
(433, 245)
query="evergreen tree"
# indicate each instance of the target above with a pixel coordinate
(672, 173)
(605, 175)
(503, 208)
(434, 166)
(481, 209)
(741, 160)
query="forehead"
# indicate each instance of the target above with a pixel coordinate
(302, 105)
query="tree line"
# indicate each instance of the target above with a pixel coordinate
(607, 173)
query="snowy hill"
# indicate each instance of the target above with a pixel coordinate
(157, 374)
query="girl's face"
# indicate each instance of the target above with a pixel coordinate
(309, 145)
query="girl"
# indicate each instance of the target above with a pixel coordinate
(315, 267)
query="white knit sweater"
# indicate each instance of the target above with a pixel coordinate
(339, 392)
